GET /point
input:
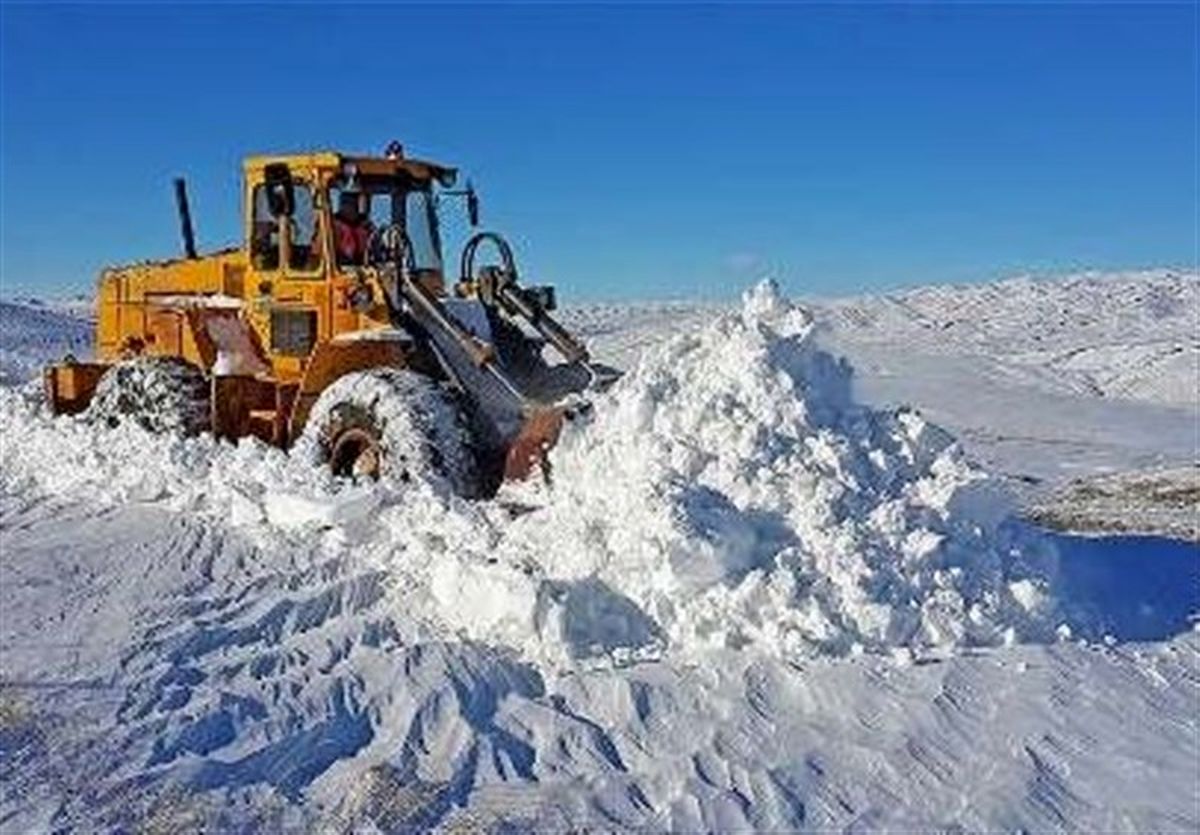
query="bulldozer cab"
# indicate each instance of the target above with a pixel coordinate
(374, 203)
(297, 204)
(315, 229)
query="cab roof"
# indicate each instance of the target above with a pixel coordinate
(331, 162)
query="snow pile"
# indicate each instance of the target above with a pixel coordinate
(250, 484)
(726, 493)
(731, 492)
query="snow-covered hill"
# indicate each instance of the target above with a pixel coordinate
(748, 601)
(1125, 335)
(33, 334)
(1048, 382)
(1132, 336)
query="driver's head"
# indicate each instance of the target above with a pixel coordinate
(349, 208)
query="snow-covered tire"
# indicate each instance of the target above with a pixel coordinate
(161, 394)
(392, 424)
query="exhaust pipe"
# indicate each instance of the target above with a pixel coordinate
(185, 218)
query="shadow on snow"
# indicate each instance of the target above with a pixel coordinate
(1134, 588)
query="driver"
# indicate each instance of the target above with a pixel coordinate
(352, 229)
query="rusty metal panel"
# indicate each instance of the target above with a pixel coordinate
(527, 453)
(234, 398)
(70, 386)
(164, 331)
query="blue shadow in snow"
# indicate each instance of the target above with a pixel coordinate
(1135, 588)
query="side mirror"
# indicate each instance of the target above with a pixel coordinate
(472, 205)
(281, 192)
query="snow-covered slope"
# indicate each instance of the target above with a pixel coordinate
(747, 601)
(32, 334)
(1044, 381)
(1124, 335)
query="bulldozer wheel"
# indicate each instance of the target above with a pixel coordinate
(392, 425)
(353, 441)
(160, 394)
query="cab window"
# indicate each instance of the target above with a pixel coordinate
(420, 213)
(303, 238)
(357, 214)
(373, 203)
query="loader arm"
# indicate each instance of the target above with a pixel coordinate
(517, 415)
(433, 317)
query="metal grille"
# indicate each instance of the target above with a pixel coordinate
(293, 332)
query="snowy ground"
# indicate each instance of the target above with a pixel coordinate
(747, 602)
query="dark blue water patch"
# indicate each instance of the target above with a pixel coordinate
(1134, 588)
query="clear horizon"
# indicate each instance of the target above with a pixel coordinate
(629, 152)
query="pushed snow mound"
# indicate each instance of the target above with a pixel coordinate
(727, 493)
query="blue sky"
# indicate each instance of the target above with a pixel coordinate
(628, 151)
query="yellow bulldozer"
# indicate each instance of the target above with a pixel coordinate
(334, 321)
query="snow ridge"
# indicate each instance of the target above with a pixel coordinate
(1121, 335)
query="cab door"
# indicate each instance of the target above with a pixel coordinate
(287, 254)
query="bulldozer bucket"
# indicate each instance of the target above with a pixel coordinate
(528, 450)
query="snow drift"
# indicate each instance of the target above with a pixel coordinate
(731, 490)
(726, 493)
